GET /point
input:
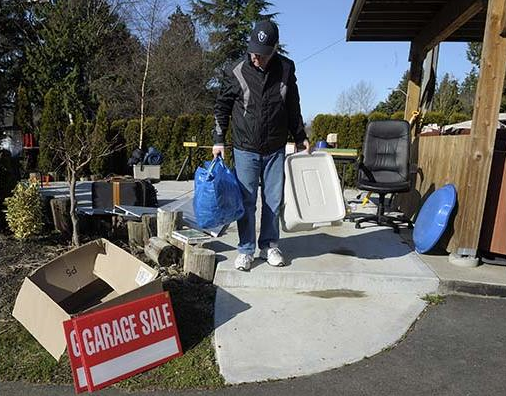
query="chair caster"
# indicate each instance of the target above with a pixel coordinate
(358, 226)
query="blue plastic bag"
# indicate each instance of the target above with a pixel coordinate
(217, 200)
(153, 157)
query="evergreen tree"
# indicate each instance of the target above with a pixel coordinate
(446, 98)
(474, 53)
(471, 82)
(68, 51)
(176, 86)
(468, 91)
(53, 124)
(230, 23)
(118, 68)
(15, 31)
(396, 100)
(23, 117)
(100, 165)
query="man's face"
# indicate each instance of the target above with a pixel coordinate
(261, 61)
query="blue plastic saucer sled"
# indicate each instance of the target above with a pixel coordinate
(433, 218)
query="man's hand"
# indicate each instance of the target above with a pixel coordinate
(307, 147)
(219, 149)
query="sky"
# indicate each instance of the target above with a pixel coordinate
(307, 27)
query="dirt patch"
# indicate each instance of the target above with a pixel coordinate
(18, 259)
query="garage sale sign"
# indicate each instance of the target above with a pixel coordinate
(80, 384)
(115, 343)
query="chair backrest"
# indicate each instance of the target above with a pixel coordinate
(386, 151)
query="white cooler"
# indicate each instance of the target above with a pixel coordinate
(313, 195)
(151, 172)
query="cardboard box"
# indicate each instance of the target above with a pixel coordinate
(94, 276)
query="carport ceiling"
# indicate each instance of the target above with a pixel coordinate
(405, 20)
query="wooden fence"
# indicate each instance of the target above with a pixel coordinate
(437, 160)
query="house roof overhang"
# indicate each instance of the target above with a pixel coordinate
(417, 20)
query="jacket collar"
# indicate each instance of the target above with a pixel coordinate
(272, 63)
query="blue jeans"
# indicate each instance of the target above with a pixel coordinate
(251, 168)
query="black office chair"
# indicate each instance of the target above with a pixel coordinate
(384, 168)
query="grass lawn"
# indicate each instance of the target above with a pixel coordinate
(23, 359)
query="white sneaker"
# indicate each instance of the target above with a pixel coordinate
(243, 261)
(273, 256)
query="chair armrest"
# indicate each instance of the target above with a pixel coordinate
(363, 168)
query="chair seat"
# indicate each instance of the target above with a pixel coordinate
(384, 187)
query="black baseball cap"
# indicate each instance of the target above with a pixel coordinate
(263, 39)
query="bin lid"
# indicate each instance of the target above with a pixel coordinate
(433, 218)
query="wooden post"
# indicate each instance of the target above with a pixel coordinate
(149, 227)
(161, 252)
(414, 82)
(60, 208)
(483, 131)
(168, 222)
(135, 235)
(199, 261)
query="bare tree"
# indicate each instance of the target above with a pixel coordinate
(146, 21)
(359, 98)
(76, 147)
(151, 27)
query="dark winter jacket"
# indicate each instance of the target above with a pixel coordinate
(264, 106)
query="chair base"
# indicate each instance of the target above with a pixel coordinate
(381, 219)
(384, 220)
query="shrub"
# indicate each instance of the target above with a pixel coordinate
(24, 211)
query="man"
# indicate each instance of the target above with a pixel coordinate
(261, 95)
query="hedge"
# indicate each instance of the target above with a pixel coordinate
(435, 117)
(378, 116)
(167, 135)
(398, 115)
(456, 118)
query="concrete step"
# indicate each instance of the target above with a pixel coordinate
(373, 260)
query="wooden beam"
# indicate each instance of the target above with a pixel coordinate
(483, 130)
(353, 18)
(453, 16)
(414, 84)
